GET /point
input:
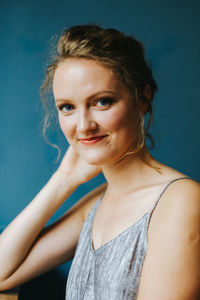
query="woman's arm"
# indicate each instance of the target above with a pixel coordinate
(26, 249)
(171, 269)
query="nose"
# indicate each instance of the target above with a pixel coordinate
(85, 121)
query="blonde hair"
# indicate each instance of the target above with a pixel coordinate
(123, 54)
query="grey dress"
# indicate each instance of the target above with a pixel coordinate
(112, 272)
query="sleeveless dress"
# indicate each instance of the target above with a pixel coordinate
(111, 272)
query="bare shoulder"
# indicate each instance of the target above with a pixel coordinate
(182, 196)
(178, 210)
(179, 205)
(182, 190)
(171, 268)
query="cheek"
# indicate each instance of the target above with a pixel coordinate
(119, 120)
(67, 126)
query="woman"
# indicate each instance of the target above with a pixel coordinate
(123, 248)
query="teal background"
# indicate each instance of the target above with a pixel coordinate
(170, 31)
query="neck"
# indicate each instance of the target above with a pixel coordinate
(131, 172)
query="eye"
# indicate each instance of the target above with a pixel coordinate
(104, 102)
(67, 107)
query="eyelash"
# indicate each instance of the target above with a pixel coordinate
(108, 99)
(60, 107)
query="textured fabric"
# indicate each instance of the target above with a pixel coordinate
(112, 272)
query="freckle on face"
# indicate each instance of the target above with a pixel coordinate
(77, 79)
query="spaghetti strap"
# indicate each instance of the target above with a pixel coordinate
(98, 274)
(166, 186)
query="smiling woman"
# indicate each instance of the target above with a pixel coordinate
(123, 56)
(89, 112)
(122, 247)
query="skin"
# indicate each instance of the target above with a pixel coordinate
(127, 176)
(82, 113)
(171, 268)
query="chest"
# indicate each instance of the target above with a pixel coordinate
(110, 221)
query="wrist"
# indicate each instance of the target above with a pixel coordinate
(64, 181)
(58, 189)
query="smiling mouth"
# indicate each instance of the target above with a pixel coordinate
(92, 140)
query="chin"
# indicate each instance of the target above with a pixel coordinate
(94, 160)
(100, 159)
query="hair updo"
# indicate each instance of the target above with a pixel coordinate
(123, 54)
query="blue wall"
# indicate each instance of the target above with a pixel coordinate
(169, 29)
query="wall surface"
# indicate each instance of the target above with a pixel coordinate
(170, 31)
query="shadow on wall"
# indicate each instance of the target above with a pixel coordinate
(49, 286)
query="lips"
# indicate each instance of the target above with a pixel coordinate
(92, 140)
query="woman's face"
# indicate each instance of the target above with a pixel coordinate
(95, 110)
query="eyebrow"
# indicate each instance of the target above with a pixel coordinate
(90, 97)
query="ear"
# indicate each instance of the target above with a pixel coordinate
(148, 96)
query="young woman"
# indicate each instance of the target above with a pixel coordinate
(138, 235)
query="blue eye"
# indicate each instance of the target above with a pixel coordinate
(105, 101)
(66, 107)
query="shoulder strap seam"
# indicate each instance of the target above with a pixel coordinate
(166, 186)
(169, 183)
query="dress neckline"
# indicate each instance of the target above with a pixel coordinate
(94, 251)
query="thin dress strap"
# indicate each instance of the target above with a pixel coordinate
(166, 186)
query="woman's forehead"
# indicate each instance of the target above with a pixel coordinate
(80, 69)
(73, 75)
